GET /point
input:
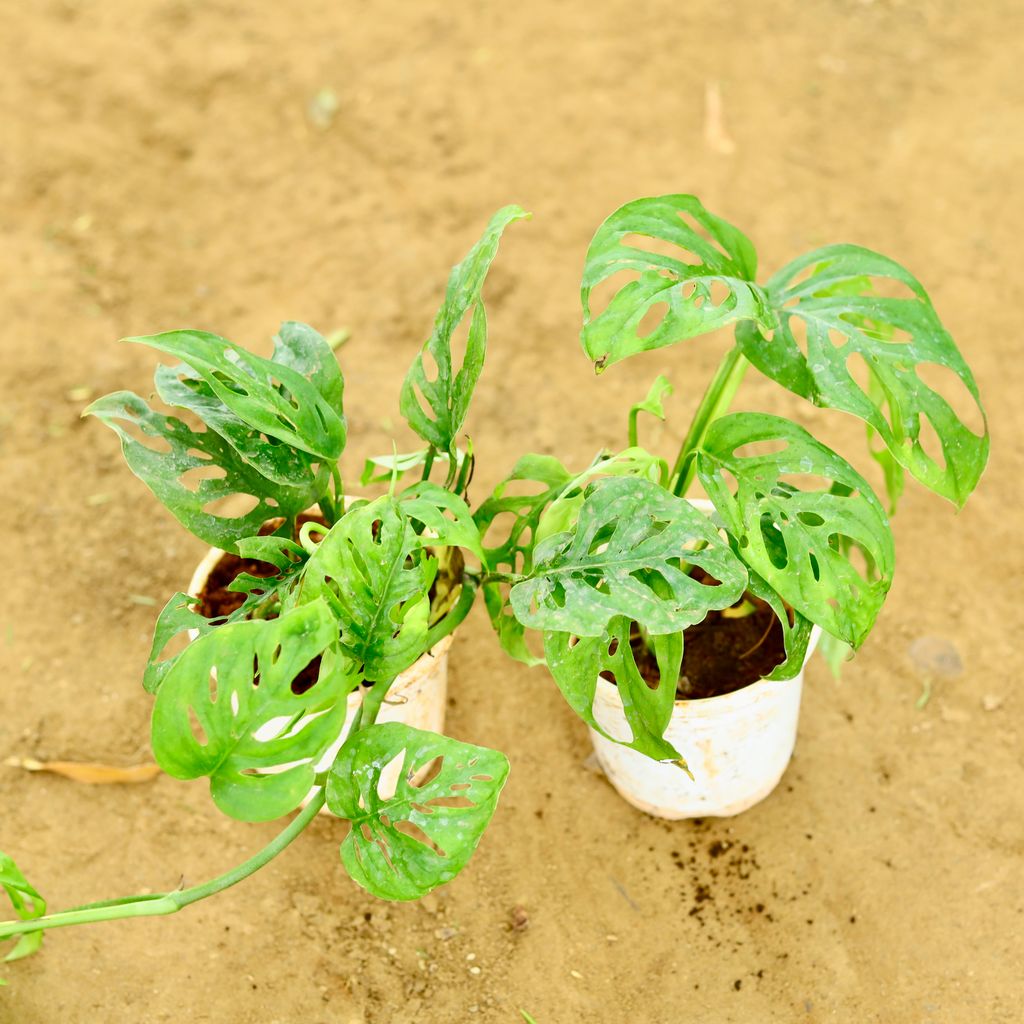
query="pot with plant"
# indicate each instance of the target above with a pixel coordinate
(320, 622)
(678, 628)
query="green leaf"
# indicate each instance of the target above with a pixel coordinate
(272, 396)
(652, 404)
(799, 540)
(853, 321)
(796, 628)
(182, 387)
(835, 652)
(413, 827)
(228, 710)
(179, 614)
(521, 498)
(444, 516)
(372, 570)
(624, 556)
(710, 251)
(436, 406)
(576, 662)
(564, 510)
(164, 471)
(308, 353)
(27, 903)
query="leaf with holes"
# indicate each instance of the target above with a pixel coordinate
(627, 554)
(182, 387)
(797, 540)
(652, 405)
(796, 628)
(232, 708)
(165, 472)
(842, 295)
(270, 395)
(563, 512)
(521, 498)
(444, 518)
(436, 408)
(373, 571)
(27, 903)
(576, 662)
(415, 823)
(179, 615)
(705, 251)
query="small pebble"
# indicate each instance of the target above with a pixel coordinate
(577, 975)
(474, 970)
(991, 702)
(471, 956)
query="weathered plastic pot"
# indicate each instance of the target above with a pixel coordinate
(736, 745)
(418, 697)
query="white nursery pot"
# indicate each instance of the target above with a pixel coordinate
(737, 746)
(417, 698)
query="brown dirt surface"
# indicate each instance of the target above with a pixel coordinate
(225, 166)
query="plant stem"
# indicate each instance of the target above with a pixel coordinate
(172, 902)
(716, 400)
(428, 462)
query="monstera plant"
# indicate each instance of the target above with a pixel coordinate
(599, 560)
(351, 599)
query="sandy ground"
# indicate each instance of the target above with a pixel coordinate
(160, 167)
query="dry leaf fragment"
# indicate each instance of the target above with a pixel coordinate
(89, 772)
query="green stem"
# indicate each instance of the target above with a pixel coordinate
(428, 462)
(715, 402)
(172, 902)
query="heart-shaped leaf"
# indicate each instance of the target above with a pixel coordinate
(799, 540)
(706, 252)
(625, 556)
(854, 323)
(577, 662)
(164, 470)
(436, 407)
(415, 823)
(272, 396)
(27, 903)
(231, 708)
(373, 571)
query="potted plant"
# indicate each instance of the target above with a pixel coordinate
(276, 698)
(678, 628)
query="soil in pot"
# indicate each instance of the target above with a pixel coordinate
(724, 653)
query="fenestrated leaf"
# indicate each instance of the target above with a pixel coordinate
(162, 471)
(848, 316)
(228, 710)
(365, 569)
(444, 516)
(710, 250)
(565, 508)
(180, 615)
(546, 478)
(652, 404)
(307, 352)
(182, 387)
(271, 396)
(796, 634)
(27, 903)
(799, 540)
(436, 408)
(576, 662)
(625, 556)
(412, 830)
(177, 616)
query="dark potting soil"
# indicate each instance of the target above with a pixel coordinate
(722, 654)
